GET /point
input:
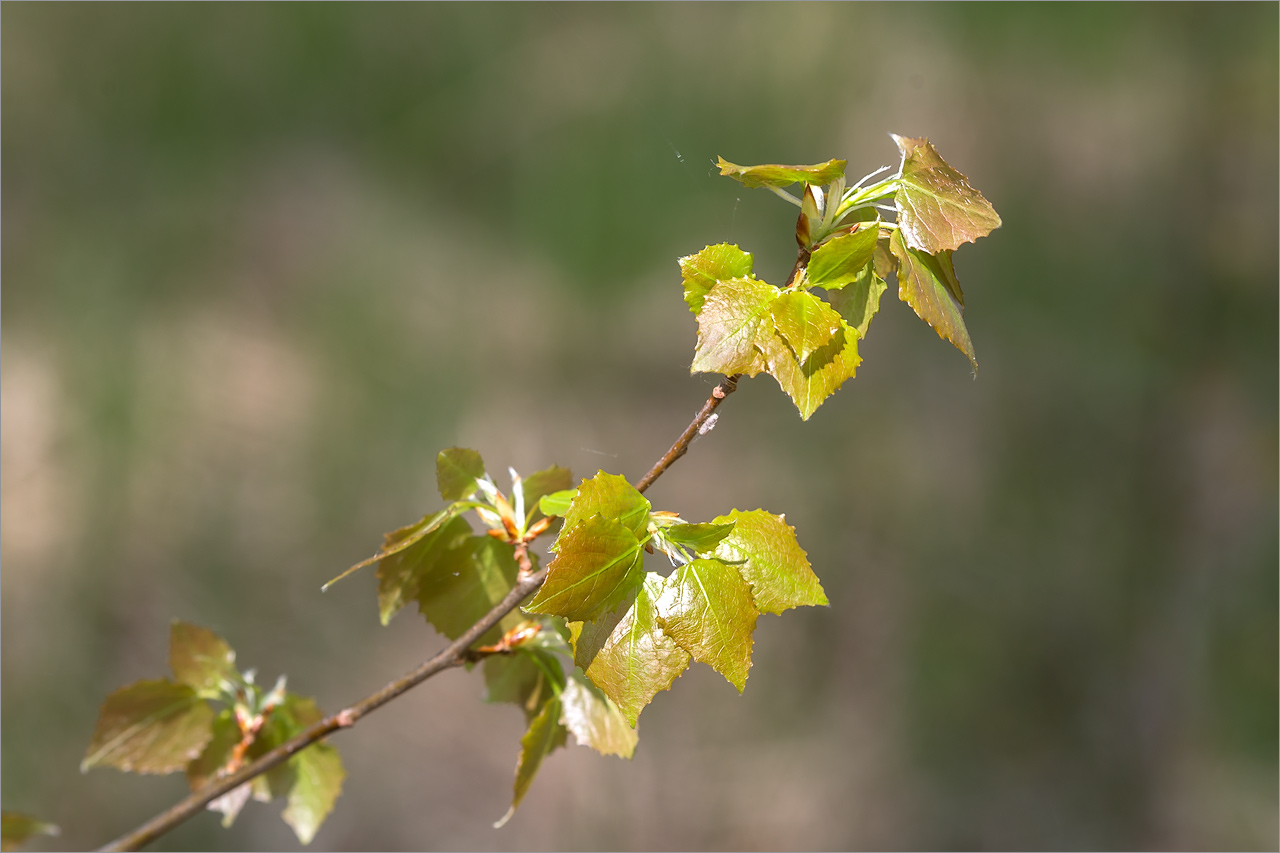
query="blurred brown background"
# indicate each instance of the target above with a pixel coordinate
(262, 262)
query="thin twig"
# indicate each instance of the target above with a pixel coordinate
(724, 389)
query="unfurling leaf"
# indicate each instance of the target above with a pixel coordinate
(699, 537)
(150, 727)
(545, 735)
(859, 302)
(811, 381)
(706, 608)
(542, 484)
(16, 828)
(595, 720)
(201, 660)
(781, 176)
(764, 549)
(557, 503)
(597, 564)
(839, 261)
(626, 654)
(937, 208)
(733, 327)
(714, 264)
(465, 582)
(318, 775)
(928, 284)
(401, 571)
(611, 496)
(457, 470)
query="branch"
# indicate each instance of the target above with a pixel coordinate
(453, 655)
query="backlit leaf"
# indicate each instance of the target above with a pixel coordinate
(466, 582)
(545, 735)
(764, 549)
(403, 538)
(713, 264)
(928, 284)
(860, 301)
(706, 608)
(810, 382)
(17, 828)
(542, 484)
(597, 563)
(400, 573)
(595, 720)
(937, 208)
(150, 727)
(805, 322)
(838, 261)
(457, 470)
(557, 503)
(318, 775)
(699, 537)
(201, 659)
(611, 496)
(733, 326)
(626, 654)
(526, 678)
(781, 176)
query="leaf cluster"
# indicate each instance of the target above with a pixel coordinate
(208, 720)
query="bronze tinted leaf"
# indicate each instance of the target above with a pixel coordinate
(774, 175)
(150, 727)
(733, 326)
(764, 549)
(937, 208)
(928, 284)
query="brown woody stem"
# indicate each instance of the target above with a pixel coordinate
(724, 389)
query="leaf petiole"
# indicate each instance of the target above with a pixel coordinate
(781, 193)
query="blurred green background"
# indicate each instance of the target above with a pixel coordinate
(262, 262)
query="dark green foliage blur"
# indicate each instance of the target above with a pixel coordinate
(262, 262)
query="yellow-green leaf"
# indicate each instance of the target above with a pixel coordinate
(706, 608)
(150, 727)
(317, 782)
(810, 382)
(838, 261)
(714, 264)
(201, 659)
(595, 720)
(733, 326)
(467, 581)
(805, 322)
(764, 549)
(928, 284)
(611, 496)
(859, 302)
(597, 563)
(17, 828)
(774, 175)
(545, 735)
(401, 571)
(937, 208)
(540, 484)
(457, 470)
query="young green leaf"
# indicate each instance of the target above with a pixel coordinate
(611, 496)
(557, 503)
(805, 322)
(937, 208)
(699, 537)
(764, 549)
(714, 264)
(544, 736)
(595, 720)
(17, 828)
(403, 538)
(201, 660)
(523, 678)
(400, 573)
(838, 261)
(706, 608)
(466, 582)
(928, 284)
(626, 654)
(457, 470)
(782, 176)
(858, 303)
(597, 564)
(318, 775)
(810, 382)
(733, 326)
(544, 483)
(150, 727)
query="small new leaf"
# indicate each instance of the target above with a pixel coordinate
(318, 775)
(699, 537)
(457, 470)
(541, 484)
(928, 284)
(937, 208)
(714, 264)
(706, 608)
(595, 720)
(626, 654)
(733, 328)
(859, 302)
(611, 496)
(809, 382)
(557, 503)
(17, 828)
(782, 176)
(838, 261)
(544, 736)
(597, 564)
(764, 549)
(150, 727)
(201, 660)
